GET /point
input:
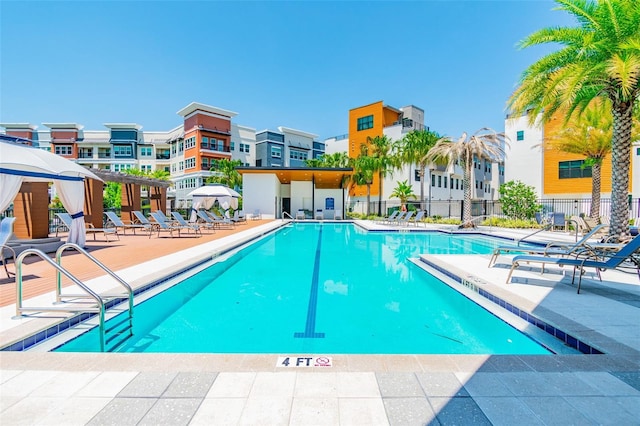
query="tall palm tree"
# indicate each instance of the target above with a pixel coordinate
(600, 58)
(485, 144)
(382, 150)
(414, 149)
(364, 167)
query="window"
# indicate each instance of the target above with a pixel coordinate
(64, 149)
(122, 150)
(205, 163)
(146, 151)
(276, 152)
(520, 135)
(174, 147)
(181, 146)
(189, 183)
(365, 123)
(573, 169)
(189, 143)
(120, 167)
(637, 151)
(416, 175)
(439, 181)
(445, 181)
(173, 168)
(220, 145)
(232, 145)
(145, 167)
(124, 135)
(181, 165)
(259, 163)
(433, 180)
(205, 143)
(244, 147)
(476, 184)
(190, 163)
(297, 155)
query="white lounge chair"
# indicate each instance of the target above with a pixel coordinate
(319, 214)
(300, 214)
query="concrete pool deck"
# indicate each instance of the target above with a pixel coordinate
(80, 388)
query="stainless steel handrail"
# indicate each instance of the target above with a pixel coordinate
(42, 255)
(286, 213)
(79, 249)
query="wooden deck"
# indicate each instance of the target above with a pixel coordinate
(39, 278)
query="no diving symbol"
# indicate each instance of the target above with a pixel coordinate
(323, 362)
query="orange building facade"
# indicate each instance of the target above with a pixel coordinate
(365, 122)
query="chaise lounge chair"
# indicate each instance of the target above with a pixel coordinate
(6, 231)
(417, 218)
(66, 219)
(184, 224)
(117, 222)
(300, 214)
(551, 249)
(404, 221)
(161, 225)
(611, 260)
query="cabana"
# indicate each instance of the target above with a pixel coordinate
(206, 196)
(21, 163)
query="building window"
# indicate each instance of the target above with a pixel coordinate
(174, 147)
(205, 163)
(445, 181)
(637, 151)
(122, 150)
(244, 147)
(181, 165)
(433, 180)
(573, 169)
(121, 167)
(297, 155)
(520, 135)
(181, 146)
(124, 135)
(232, 146)
(416, 175)
(64, 149)
(258, 163)
(439, 181)
(145, 168)
(205, 143)
(173, 168)
(365, 123)
(146, 151)
(190, 163)
(189, 142)
(276, 152)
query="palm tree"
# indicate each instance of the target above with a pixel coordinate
(600, 58)
(226, 173)
(336, 160)
(415, 147)
(364, 166)
(382, 150)
(314, 162)
(485, 144)
(403, 191)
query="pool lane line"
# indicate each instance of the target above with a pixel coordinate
(310, 328)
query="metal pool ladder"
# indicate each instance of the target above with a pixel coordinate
(101, 299)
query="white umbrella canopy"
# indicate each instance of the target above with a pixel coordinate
(21, 163)
(37, 165)
(206, 196)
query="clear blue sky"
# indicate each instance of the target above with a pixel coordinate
(296, 64)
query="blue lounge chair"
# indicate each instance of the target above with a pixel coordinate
(404, 221)
(613, 260)
(417, 218)
(551, 249)
(391, 217)
(162, 225)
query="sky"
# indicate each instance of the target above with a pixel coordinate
(298, 64)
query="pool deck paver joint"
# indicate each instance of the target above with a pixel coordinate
(99, 389)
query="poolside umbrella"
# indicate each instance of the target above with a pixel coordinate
(206, 196)
(22, 163)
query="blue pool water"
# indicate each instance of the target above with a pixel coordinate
(322, 288)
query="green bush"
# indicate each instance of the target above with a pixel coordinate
(518, 200)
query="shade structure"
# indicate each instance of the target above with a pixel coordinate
(206, 196)
(22, 163)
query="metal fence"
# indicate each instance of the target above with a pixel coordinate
(453, 208)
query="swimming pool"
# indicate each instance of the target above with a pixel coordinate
(322, 288)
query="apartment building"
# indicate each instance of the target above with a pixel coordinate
(286, 147)
(556, 174)
(378, 119)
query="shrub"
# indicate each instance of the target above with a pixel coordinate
(518, 200)
(510, 223)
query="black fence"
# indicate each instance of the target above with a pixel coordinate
(453, 208)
